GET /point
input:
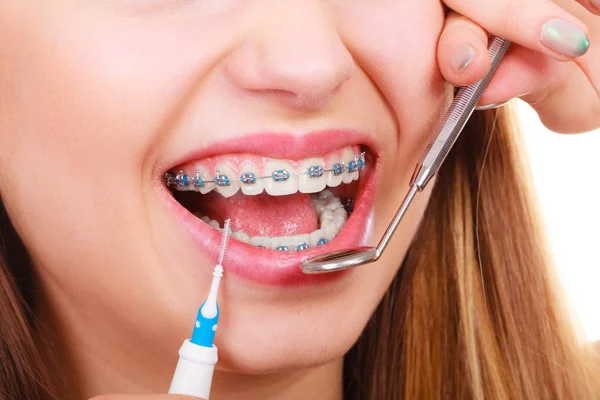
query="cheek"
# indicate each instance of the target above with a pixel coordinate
(83, 113)
(81, 117)
(396, 43)
(399, 55)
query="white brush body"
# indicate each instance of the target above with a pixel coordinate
(196, 365)
(209, 309)
(194, 372)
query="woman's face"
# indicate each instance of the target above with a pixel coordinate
(100, 98)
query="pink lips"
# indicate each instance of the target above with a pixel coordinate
(268, 266)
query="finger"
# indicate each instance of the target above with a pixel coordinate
(463, 51)
(539, 25)
(524, 74)
(559, 92)
(591, 5)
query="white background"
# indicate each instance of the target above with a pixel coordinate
(566, 171)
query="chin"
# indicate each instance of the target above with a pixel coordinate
(289, 341)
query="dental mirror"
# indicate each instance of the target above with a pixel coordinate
(435, 153)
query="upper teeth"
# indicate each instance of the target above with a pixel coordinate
(278, 177)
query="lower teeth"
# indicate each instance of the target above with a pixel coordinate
(332, 217)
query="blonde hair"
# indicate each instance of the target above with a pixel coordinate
(475, 311)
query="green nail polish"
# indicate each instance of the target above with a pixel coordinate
(564, 38)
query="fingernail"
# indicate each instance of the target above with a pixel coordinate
(461, 57)
(565, 38)
(492, 106)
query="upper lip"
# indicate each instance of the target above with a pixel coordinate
(283, 145)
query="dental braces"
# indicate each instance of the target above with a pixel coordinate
(279, 175)
(300, 247)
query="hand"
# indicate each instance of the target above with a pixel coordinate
(555, 77)
(145, 397)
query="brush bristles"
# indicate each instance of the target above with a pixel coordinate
(224, 242)
(218, 271)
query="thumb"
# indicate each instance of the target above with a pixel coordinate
(145, 397)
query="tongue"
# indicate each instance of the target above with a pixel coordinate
(262, 215)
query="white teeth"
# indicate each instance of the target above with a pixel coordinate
(208, 221)
(334, 180)
(233, 186)
(261, 241)
(312, 184)
(347, 156)
(319, 207)
(298, 240)
(325, 194)
(331, 227)
(288, 183)
(317, 236)
(241, 236)
(332, 217)
(326, 218)
(278, 177)
(331, 231)
(207, 187)
(291, 242)
(187, 188)
(338, 223)
(281, 241)
(255, 188)
(340, 217)
(333, 203)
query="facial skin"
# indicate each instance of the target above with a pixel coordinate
(98, 97)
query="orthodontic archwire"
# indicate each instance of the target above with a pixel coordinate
(198, 355)
(249, 178)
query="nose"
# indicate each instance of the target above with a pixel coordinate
(292, 53)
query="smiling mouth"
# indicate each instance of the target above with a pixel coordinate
(273, 204)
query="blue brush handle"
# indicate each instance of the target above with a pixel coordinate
(205, 329)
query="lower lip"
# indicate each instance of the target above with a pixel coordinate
(270, 267)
